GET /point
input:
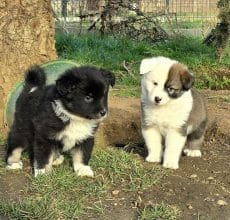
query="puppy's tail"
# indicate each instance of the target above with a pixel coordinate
(35, 77)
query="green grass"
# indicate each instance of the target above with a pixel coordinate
(184, 24)
(63, 195)
(159, 212)
(213, 82)
(110, 52)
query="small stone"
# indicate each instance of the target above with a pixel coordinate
(193, 176)
(115, 204)
(221, 202)
(189, 206)
(211, 178)
(115, 192)
(208, 199)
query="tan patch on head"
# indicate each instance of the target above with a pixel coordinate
(175, 74)
(179, 77)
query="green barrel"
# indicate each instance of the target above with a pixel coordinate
(52, 69)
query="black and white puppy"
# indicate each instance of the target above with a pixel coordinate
(172, 112)
(59, 117)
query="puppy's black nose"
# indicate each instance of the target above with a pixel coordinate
(103, 112)
(157, 99)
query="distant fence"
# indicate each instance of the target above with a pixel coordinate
(202, 12)
(187, 9)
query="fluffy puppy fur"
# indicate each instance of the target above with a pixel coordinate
(173, 114)
(64, 116)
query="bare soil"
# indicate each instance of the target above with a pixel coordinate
(200, 188)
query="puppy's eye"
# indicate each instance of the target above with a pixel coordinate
(88, 99)
(170, 89)
(155, 83)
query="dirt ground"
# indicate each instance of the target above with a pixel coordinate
(200, 188)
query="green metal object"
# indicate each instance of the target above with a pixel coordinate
(53, 69)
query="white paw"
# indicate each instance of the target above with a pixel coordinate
(58, 160)
(171, 165)
(39, 172)
(84, 171)
(33, 89)
(153, 159)
(14, 166)
(192, 153)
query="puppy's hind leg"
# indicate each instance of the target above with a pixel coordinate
(58, 158)
(193, 147)
(43, 157)
(13, 152)
(194, 141)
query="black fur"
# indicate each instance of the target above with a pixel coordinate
(82, 91)
(35, 76)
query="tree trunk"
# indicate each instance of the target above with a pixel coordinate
(93, 5)
(219, 36)
(64, 4)
(26, 38)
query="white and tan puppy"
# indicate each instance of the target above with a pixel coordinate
(173, 114)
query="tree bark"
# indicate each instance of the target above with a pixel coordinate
(64, 8)
(219, 36)
(93, 5)
(26, 38)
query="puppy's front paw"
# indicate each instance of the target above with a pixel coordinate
(84, 171)
(171, 165)
(153, 158)
(192, 153)
(14, 166)
(59, 160)
(39, 172)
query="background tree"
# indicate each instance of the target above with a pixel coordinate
(219, 36)
(64, 4)
(93, 5)
(26, 37)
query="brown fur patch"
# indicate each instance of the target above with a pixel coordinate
(179, 77)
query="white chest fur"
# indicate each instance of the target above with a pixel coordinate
(75, 132)
(172, 115)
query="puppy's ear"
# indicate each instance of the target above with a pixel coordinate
(109, 77)
(66, 84)
(147, 65)
(187, 79)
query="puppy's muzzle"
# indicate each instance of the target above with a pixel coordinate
(103, 112)
(157, 99)
(99, 115)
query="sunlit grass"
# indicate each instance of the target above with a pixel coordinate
(159, 212)
(64, 195)
(123, 57)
